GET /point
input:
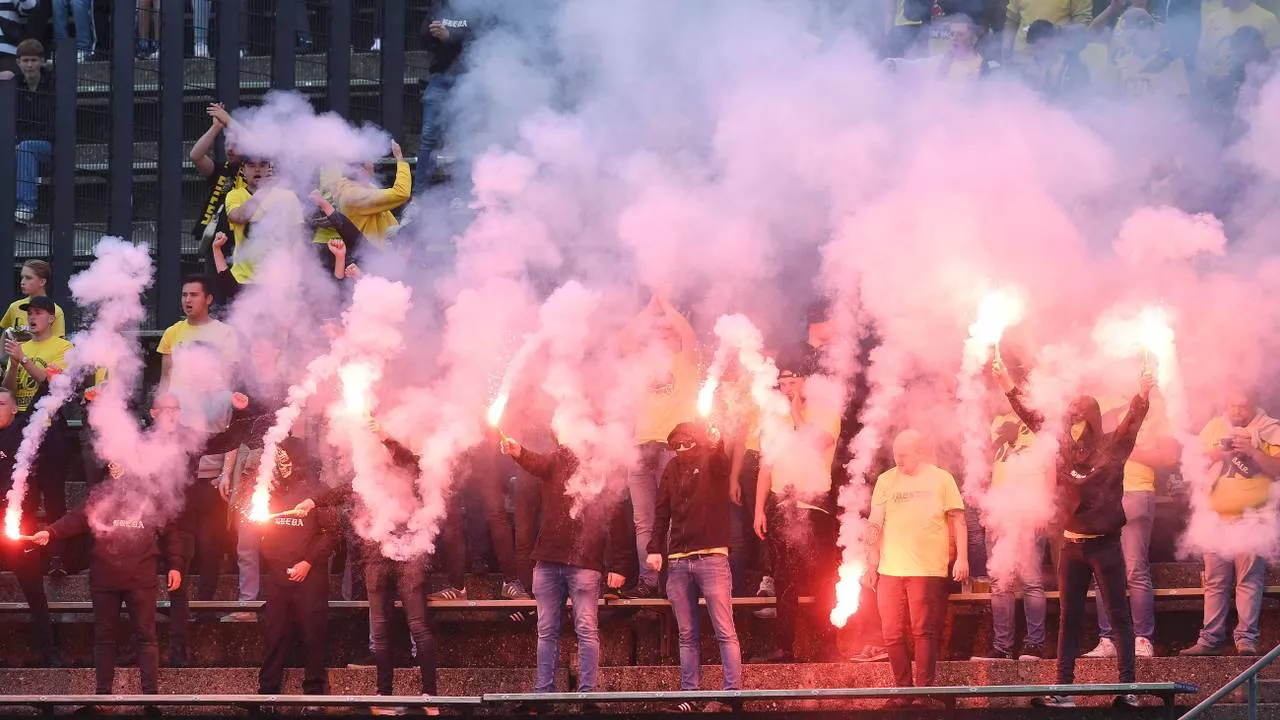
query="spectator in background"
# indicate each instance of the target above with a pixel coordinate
(13, 16)
(367, 206)
(222, 179)
(668, 348)
(259, 198)
(923, 27)
(445, 39)
(1216, 35)
(1055, 68)
(33, 282)
(961, 61)
(1022, 14)
(28, 371)
(1244, 446)
(82, 12)
(1145, 66)
(35, 114)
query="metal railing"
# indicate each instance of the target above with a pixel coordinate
(1248, 677)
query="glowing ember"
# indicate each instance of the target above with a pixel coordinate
(848, 590)
(357, 381)
(13, 523)
(258, 511)
(707, 395)
(998, 310)
(496, 409)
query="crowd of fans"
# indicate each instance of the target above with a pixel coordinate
(710, 516)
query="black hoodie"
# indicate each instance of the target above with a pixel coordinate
(593, 539)
(693, 502)
(1090, 470)
(445, 53)
(286, 541)
(124, 555)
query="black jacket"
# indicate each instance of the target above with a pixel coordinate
(35, 108)
(445, 53)
(594, 539)
(1090, 473)
(124, 554)
(286, 541)
(693, 502)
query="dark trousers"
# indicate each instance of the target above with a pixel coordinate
(484, 488)
(141, 604)
(27, 563)
(50, 481)
(1099, 559)
(911, 609)
(803, 550)
(212, 539)
(303, 607)
(866, 622)
(528, 502)
(385, 579)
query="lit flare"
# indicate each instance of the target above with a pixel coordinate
(258, 510)
(996, 312)
(357, 382)
(1157, 341)
(13, 523)
(707, 395)
(848, 592)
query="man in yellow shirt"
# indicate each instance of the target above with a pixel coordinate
(916, 514)
(366, 205)
(793, 503)
(1021, 13)
(29, 369)
(668, 347)
(1244, 446)
(1219, 27)
(1155, 451)
(275, 210)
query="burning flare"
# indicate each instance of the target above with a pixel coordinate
(707, 395)
(848, 590)
(1157, 340)
(357, 381)
(996, 312)
(13, 522)
(496, 409)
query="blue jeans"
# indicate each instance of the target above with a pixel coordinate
(552, 583)
(1004, 603)
(31, 155)
(433, 99)
(709, 574)
(642, 484)
(83, 12)
(1247, 574)
(1135, 541)
(248, 540)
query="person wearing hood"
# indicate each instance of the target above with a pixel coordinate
(1090, 478)
(129, 538)
(1243, 444)
(368, 207)
(693, 512)
(295, 552)
(575, 553)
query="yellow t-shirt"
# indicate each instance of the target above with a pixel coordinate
(802, 470)
(45, 353)
(203, 405)
(1140, 79)
(916, 538)
(278, 202)
(670, 399)
(1137, 477)
(15, 316)
(1209, 7)
(1008, 450)
(1220, 25)
(1021, 13)
(1239, 486)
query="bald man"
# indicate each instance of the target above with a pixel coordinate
(916, 514)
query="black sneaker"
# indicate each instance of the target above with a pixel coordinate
(994, 655)
(57, 568)
(774, 656)
(642, 591)
(1126, 701)
(514, 590)
(364, 661)
(1031, 653)
(1053, 701)
(688, 706)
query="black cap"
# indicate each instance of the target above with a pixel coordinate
(39, 302)
(799, 361)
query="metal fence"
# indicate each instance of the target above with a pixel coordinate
(125, 120)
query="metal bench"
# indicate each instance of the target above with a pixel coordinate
(47, 703)
(735, 699)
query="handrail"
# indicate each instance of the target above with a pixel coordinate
(1248, 676)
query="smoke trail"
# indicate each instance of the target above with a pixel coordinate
(111, 289)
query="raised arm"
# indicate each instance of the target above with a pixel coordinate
(1127, 432)
(203, 149)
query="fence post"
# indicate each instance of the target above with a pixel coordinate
(168, 249)
(8, 184)
(283, 68)
(340, 57)
(393, 35)
(230, 14)
(120, 151)
(62, 235)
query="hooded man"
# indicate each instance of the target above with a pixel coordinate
(1090, 477)
(693, 504)
(1243, 445)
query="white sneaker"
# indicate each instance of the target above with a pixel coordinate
(376, 46)
(1105, 649)
(202, 50)
(1143, 648)
(83, 56)
(24, 215)
(766, 587)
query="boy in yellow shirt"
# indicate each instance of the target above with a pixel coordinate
(33, 281)
(1243, 443)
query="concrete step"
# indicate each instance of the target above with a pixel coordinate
(490, 679)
